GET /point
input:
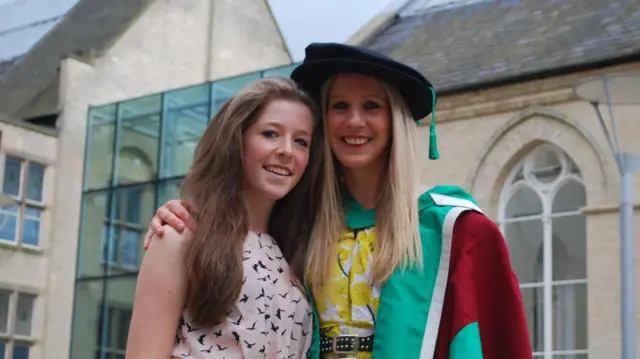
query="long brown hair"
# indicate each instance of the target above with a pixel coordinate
(213, 184)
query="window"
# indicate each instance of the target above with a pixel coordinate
(125, 230)
(124, 225)
(546, 233)
(223, 90)
(16, 312)
(185, 117)
(20, 223)
(115, 332)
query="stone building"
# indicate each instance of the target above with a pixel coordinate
(513, 133)
(100, 118)
(102, 52)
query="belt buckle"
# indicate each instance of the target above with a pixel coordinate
(354, 344)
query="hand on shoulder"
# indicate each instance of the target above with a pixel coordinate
(171, 240)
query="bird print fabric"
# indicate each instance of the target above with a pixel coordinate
(351, 303)
(272, 318)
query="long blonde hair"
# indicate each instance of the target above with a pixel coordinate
(397, 230)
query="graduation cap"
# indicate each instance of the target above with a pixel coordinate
(323, 60)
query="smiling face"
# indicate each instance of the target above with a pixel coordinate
(358, 121)
(276, 148)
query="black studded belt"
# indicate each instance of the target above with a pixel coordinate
(346, 344)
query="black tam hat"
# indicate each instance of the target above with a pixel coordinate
(324, 60)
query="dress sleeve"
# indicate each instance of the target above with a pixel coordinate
(483, 315)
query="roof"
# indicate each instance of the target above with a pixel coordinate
(492, 41)
(90, 26)
(414, 7)
(28, 26)
(6, 64)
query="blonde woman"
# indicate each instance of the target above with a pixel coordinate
(395, 272)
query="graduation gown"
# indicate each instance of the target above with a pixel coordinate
(464, 303)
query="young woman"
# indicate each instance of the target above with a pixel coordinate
(230, 289)
(395, 271)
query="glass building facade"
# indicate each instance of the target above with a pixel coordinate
(137, 153)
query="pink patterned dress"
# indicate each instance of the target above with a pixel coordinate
(272, 318)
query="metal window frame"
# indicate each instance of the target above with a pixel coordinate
(547, 194)
(23, 203)
(10, 338)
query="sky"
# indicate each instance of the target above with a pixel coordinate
(305, 21)
(24, 22)
(301, 21)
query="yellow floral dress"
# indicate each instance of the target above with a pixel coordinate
(352, 301)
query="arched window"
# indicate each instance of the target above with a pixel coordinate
(540, 217)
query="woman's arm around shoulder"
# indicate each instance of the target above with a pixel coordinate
(160, 297)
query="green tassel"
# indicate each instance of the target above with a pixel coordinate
(433, 140)
(433, 143)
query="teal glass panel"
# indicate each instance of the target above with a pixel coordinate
(87, 312)
(99, 146)
(116, 317)
(95, 213)
(113, 229)
(132, 210)
(284, 71)
(223, 90)
(139, 126)
(186, 114)
(102, 316)
(168, 190)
